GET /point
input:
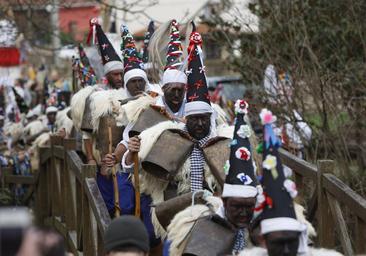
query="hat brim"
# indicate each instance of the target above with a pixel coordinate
(280, 224)
(244, 191)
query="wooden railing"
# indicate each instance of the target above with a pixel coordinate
(330, 202)
(8, 179)
(67, 198)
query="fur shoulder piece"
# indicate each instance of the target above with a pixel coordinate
(106, 102)
(322, 252)
(221, 116)
(63, 121)
(42, 140)
(132, 110)
(77, 104)
(255, 251)
(14, 130)
(258, 251)
(225, 130)
(299, 210)
(33, 127)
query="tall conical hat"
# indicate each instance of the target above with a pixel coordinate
(198, 99)
(240, 180)
(111, 60)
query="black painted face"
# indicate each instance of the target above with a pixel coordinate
(115, 79)
(174, 95)
(199, 125)
(239, 211)
(283, 243)
(51, 117)
(136, 86)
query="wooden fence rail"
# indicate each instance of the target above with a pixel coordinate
(67, 198)
(330, 201)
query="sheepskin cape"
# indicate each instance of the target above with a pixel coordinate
(154, 187)
(77, 104)
(181, 225)
(34, 127)
(259, 251)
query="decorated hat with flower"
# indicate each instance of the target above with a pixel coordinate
(275, 204)
(240, 177)
(111, 60)
(198, 99)
(133, 65)
(173, 72)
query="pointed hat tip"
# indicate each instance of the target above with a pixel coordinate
(193, 26)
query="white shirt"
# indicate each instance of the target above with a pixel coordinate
(161, 102)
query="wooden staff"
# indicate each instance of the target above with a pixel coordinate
(137, 185)
(117, 211)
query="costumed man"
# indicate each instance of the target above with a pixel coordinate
(31, 116)
(94, 106)
(50, 122)
(190, 173)
(136, 84)
(174, 79)
(80, 102)
(229, 219)
(279, 226)
(283, 233)
(135, 78)
(34, 127)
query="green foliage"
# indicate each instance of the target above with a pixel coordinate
(6, 197)
(322, 45)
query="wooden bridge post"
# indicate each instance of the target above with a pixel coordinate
(79, 216)
(360, 236)
(89, 240)
(299, 180)
(67, 188)
(55, 193)
(41, 190)
(325, 220)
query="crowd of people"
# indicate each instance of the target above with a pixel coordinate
(156, 139)
(29, 108)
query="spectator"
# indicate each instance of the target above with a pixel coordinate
(126, 236)
(42, 242)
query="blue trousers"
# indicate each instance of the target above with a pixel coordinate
(127, 201)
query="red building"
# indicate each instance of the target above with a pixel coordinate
(74, 18)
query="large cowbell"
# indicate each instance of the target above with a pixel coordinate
(165, 211)
(210, 236)
(102, 143)
(168, 154)
(86, 123)
(148, 118)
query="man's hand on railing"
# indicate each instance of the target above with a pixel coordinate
(61, 133)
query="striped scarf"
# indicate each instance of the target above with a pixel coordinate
(197, 164)
(240, 242)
